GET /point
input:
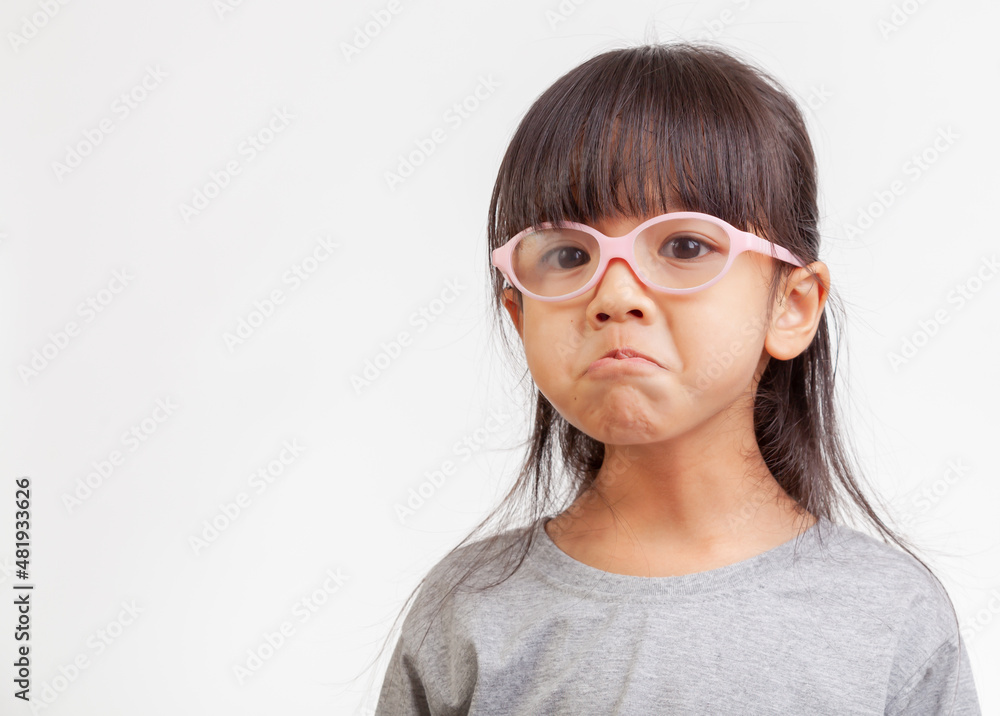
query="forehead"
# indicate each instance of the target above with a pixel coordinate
(626, 203)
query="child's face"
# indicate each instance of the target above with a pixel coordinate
(708, 347)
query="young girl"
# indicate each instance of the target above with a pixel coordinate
(654, 241)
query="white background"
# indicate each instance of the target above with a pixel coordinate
(879, 96)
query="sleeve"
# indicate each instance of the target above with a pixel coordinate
(941, 685)
(433, 669)
(402, 692)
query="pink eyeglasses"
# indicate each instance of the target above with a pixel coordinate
(680, 252)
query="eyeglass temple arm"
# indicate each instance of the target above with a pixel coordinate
(497, 256)
(755, 243)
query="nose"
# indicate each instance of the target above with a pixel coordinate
(620, 293)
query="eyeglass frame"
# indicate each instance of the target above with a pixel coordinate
(623, 247)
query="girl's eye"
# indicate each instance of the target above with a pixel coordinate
(685, 247)
(565, 257)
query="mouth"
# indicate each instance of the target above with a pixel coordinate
(620, 359)
(625, 353)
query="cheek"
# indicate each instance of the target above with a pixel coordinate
(724, 357)
(553, 340)
(555, 352)
(549, 351)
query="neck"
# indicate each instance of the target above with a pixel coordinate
(709, 494)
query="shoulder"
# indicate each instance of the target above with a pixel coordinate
(904, 597)
(477, 564)
(885, 575)
(446, 594)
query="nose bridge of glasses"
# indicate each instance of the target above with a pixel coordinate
(619, 249)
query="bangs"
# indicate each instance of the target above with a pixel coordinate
(644, 131)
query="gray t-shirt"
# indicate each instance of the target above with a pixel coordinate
(833, 622)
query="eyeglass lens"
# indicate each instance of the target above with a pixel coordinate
(673, 253)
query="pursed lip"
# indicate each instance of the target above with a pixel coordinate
(623, 352)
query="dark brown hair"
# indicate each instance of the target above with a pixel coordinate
(622, 134)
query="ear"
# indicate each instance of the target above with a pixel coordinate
(797, 312)
(513, 309)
